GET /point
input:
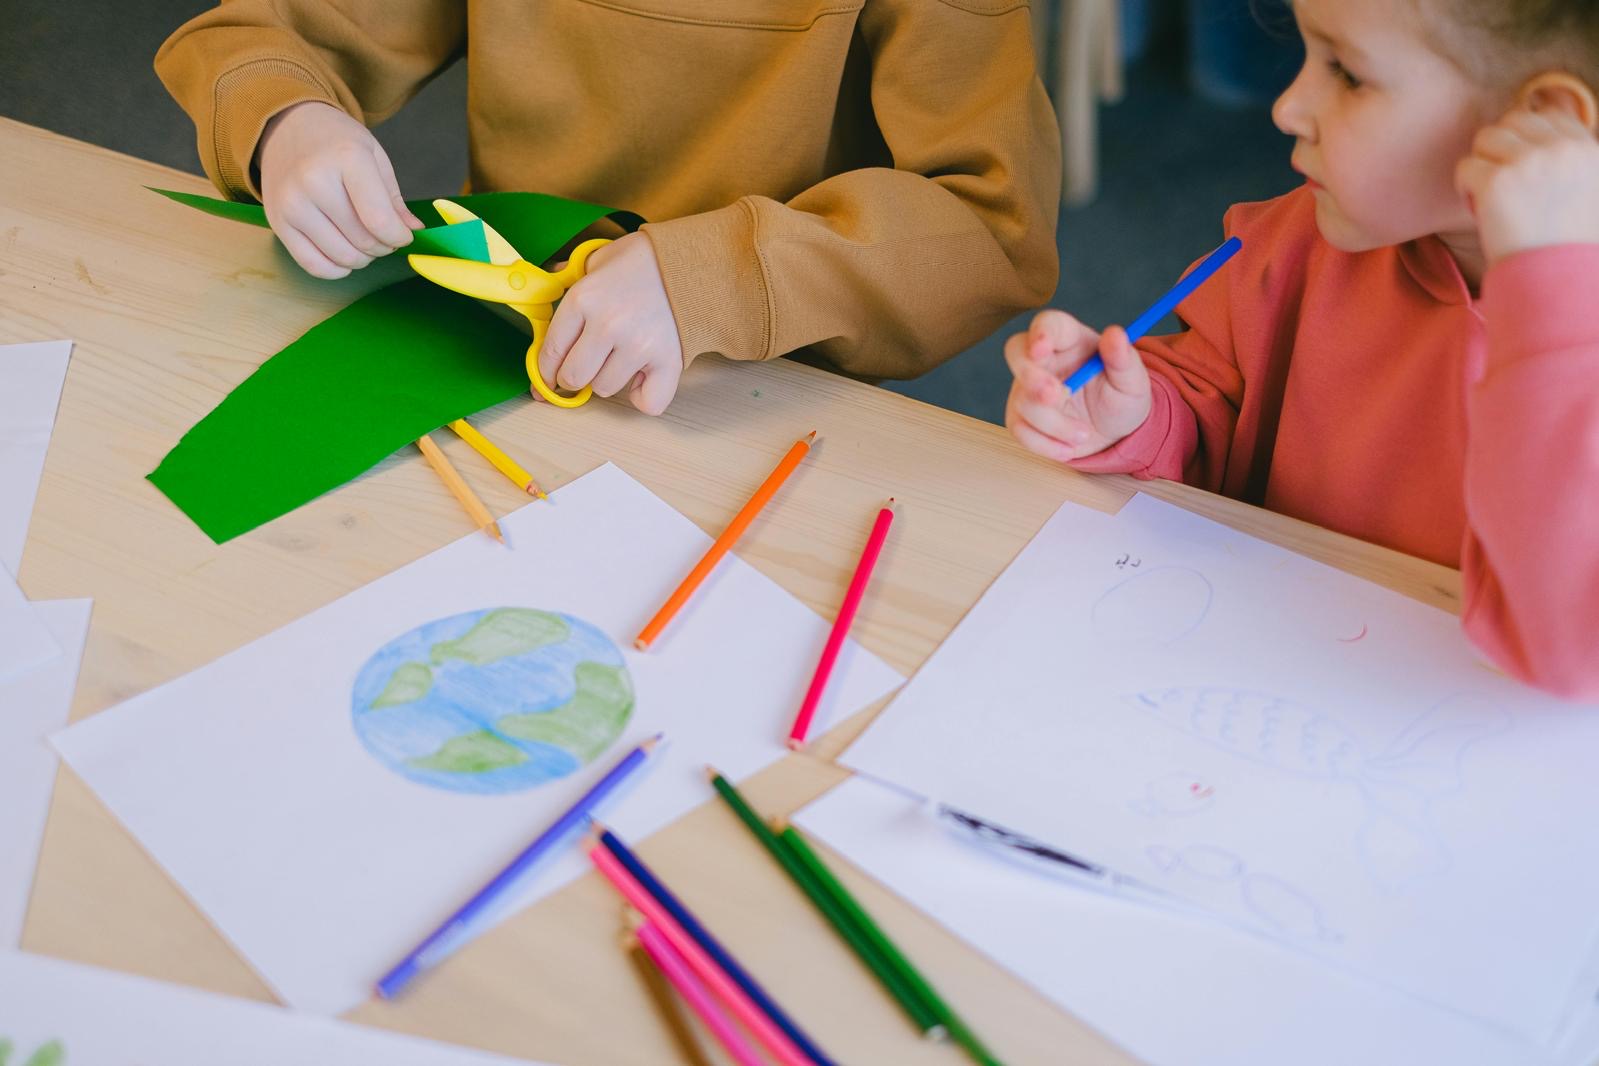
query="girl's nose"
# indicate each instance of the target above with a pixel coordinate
(1291, 112)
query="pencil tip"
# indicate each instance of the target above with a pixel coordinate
(795, 744)
(648, 744)
(810, 436)
(641, 644)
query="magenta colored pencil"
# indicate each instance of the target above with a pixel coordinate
(677, 971)
(738, 1001)
(841, 624)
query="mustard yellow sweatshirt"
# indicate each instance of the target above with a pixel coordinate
(874, 180)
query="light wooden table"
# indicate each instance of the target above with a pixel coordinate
(170, 309)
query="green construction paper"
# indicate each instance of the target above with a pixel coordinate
(396, 364)
(464, 240)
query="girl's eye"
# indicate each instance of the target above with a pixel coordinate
(1341, 72)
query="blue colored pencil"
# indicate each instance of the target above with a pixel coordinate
(693, 928)
(458, 928)
(1159, 310)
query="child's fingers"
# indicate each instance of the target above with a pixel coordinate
(392, 184)
(1471, 178)
(1124, 370)
(374, 207)
(588, 353)
(564, 329)
(1041, 401)
(313, 262)
(327, 237)
(1055, 328)
(654, 387)
(616, 373)
(1498, 143)
(340, 211)
(1040, 443)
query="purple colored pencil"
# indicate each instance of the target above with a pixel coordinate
(458, 927)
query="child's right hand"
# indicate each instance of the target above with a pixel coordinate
(329, 190)
(1064, 427)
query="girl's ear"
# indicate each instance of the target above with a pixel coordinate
(1556, 90)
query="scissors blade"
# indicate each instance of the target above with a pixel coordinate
(518, 283)
(500, 251)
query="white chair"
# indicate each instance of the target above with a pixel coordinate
(1084, 37)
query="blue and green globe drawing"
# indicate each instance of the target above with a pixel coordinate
(493, 701)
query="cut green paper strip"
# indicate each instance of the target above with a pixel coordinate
(464, 240)
(396, 364)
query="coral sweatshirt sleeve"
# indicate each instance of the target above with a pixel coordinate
(1530, 561)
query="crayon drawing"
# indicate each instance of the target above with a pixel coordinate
(1397, 843)
(1267, 900)
(492, 701)
(1156, 606)
(52, 1054)
(1175, 795)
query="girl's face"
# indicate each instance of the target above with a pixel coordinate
(1380, 119)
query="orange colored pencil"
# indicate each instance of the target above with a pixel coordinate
(734, 530)
(457, 485)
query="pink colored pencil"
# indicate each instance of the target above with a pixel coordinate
(744, 1009)
(677, 971)
(841, 624)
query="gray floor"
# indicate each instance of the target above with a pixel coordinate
(1171, 163)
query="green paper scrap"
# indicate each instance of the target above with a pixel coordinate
(396, 364)
(464, 240)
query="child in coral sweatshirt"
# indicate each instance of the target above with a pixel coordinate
(1407, 348)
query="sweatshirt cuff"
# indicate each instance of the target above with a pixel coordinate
(247, 97)
(1541, 301)
(1140, 451)
(715, 282)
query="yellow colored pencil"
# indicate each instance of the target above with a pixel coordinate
(502, 462)
(457, 485)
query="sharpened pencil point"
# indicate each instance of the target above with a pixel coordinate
(795, 744)
(493, 530)
(649, 743)
(641, 645)
(811, 436)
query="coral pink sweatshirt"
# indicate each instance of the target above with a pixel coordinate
(1370, 394)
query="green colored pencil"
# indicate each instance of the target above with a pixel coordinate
(921, 1012)
(812, 862)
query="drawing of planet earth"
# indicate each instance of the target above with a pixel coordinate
(492, 701)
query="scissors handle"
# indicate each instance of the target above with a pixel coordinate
(541, 326)
(566, 277)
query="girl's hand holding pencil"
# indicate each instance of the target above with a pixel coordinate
(1060, 424)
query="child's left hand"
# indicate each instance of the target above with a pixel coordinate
(615, 330)
(1531, 180)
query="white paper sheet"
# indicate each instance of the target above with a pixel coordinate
(31, 376)
(1279, 742)
(1170, 990)
(31, 708)
(26, 645)
(247, 780)
(102, 1018)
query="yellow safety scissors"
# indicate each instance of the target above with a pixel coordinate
(509, 279)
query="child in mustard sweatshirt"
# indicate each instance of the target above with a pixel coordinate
(873, 180)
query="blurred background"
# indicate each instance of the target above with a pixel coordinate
(1189, 135)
